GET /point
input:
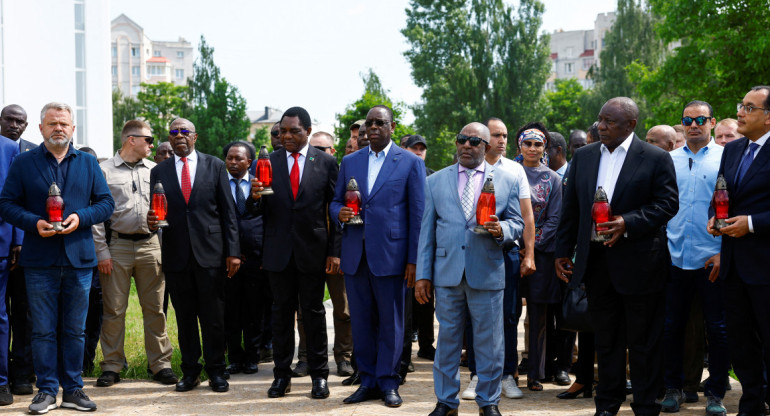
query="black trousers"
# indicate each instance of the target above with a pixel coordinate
(198, 294)
(584, 367)
(290, 287)
(20, 355)
(243, 314)
(93, 323)
(422, 321)
(406, 352)
(621, 321)
(748, 336)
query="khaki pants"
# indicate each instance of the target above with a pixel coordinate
(140, 259)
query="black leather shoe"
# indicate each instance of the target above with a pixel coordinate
(562, 378)
(352, 380)
(218, 384)
(604, 413)
(107, 379)
(21, 386)
(166, 376)
(250, 368)
(266, 355)
(489, 410)
(567, 395)
(279, 388)
(362, 394)
(300, 370)
(428, 355)
(391, 398)
(188, 383)
(320, 389)
(443, 410)
(234, 368)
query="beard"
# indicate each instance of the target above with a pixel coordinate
(58, 142)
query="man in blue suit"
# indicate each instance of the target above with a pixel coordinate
(379, 257)
(467, 268)
(58, 265)
(745, 243)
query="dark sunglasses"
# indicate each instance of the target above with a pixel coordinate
(275, 133)
(700, 120)
(378, 123)
(148, 139)
(184, 132)
(322, 148)
(475, 141)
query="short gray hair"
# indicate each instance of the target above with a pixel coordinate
(55, 106)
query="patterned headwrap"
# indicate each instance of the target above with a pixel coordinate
(537, 135)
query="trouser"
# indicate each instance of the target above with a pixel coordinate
(243, 315)
(20, 355)
(343, 335)
(695, 346)
(584, 367)
(93, 321)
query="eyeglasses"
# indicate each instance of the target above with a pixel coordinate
(148, 139)
(274, 133)
(323, 148)
(475, 141)
(748, 108)
(700, 120)
(184, 132)
(378, 123)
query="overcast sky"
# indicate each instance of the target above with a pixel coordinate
(307, 52)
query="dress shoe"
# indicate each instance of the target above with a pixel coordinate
(362, 394)
(188, 383)
(107, 379)
(489, 410)
(523, 366)
(234, 368)
(691, 397)
(562, 378)
(320, 389)
(279, 388)
(218, 384)
(266, 355)
(300, 370)
(403, 370)
(443, 410)
(586, 390)
(427, 354)
(344, 368)
(166, 376)
(250, 368)
(21, 386)
(604, 413)
(352, 380)
(391, 398)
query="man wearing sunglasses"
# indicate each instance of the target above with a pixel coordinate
(200, 249)
(467, 268)
(132, 250)
(379, 256)
(745, 244)
(695, 264)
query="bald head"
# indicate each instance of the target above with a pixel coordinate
(663, 136)
(627, 105)
(476, 129)
(469, 155)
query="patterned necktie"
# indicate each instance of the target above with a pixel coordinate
(186, 185)
(240, 200)
(745, 163)
(468, 193)
(294, 175)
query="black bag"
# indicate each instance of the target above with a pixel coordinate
(574, 314)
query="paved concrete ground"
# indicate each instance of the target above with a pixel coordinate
(248, 396)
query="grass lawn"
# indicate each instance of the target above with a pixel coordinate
(134, 342)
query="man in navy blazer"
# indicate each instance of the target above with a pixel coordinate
(379, 257)
(745, 243)
(467, 268)
(58, 265)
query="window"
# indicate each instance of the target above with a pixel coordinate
(587, 63)
(135, 89)
(80, 50)
(114, 71)
(155, 53)
(155, 70)
(179, 73)
(180, 54)
(135, 71)
(568, 67)
(114, 51)
(134, 51)
(80, 17)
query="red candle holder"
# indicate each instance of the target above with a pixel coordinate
(601, 212)
(353, 201)
(159, 204)
(264, 171)
(54, 207)
(721, 203)
(485, 207)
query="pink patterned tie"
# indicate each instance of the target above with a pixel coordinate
(186, 187)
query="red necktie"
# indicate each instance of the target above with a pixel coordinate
(186, 186)
(294, 175)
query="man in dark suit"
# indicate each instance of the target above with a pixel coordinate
(625, 276)
(379, 257)
(745, 243)
(200, 241)
(58, 263)
(299, 248)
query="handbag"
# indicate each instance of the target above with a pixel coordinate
(574, 314)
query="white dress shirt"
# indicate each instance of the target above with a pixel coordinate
(610, 165)
(192, 166)
(301, 160)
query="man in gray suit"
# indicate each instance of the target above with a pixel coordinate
(467, 268)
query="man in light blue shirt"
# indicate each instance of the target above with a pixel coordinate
(695, 261)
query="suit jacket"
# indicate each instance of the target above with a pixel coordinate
(299, 227)
(391, 213)
(745, 255)
(448, 246)
(18, 234)
(9, 237)
(646, 196)
(23, 198)
(207, 227)
(250, 232)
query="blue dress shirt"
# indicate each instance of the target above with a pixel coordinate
(376, 160)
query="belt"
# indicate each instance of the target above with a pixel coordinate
(135, 237)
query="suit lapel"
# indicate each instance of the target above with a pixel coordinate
(388, 166)
(760, 160)
(594, 157)
(633, 160)
(310, 170)
(168, 170)
(201, 171)
(732, 162)
(281, 182)
(451, 184)
(42, 165)
(74, 170)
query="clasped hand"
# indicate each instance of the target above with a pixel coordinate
(45, 228)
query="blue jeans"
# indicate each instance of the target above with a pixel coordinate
(679, 293)
(511, 314)
(58, 304)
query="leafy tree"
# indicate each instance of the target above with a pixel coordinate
(474, 59)
(161, 103)
(262, 137)
(566, 112)
(124, 108)
(722, 52)
(374, 94)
